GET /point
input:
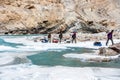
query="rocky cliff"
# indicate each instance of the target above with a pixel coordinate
(43, 16)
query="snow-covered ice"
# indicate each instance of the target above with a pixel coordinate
(32, 72)
(29, 71)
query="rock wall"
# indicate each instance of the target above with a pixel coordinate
(43, 16)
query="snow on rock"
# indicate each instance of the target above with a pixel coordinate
(91, 57)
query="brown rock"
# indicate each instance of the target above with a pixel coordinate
(107, 52)
(28, 13)
(100, 60)
(115, 47)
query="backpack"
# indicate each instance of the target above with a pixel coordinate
(97, 44)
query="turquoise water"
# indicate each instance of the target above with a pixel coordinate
(50, 57)
(4, 43)
(55, 58)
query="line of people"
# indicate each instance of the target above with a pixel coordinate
(73, 36)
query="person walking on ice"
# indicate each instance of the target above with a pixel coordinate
(110, 37)
(60, 36)
(49, 37)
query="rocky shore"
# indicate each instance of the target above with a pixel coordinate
(81, 37)
(96, 36)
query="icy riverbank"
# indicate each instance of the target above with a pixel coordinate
(29, 71)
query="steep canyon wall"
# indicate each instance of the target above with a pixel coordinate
(43, 16)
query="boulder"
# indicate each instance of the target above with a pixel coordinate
(107, 52)
(115, 47)
(110, 51)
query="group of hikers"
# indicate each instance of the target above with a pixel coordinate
(73, 37)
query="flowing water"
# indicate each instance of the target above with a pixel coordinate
(21, 52)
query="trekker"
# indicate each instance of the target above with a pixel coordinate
(74, 37)
(109, 37)
(60, 36)
(49, 37)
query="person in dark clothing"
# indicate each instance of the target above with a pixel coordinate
(74, 37)
(109, 37)
(49, 37)
(60, 36)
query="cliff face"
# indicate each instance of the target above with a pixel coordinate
(42, 16)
